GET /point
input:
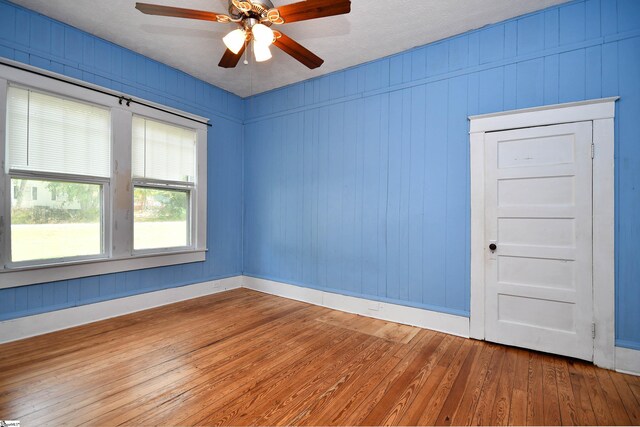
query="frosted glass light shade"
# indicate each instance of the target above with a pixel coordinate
(262, 34)
(261, 51)
(234, 40)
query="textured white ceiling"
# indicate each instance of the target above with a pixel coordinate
(373, 29)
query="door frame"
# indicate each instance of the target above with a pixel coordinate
(601, 113)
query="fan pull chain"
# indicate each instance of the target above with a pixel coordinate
(251, 79)
(246, 54)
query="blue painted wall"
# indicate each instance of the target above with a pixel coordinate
(358, 182)
(37, 40)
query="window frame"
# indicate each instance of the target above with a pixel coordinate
(117, 191)
(164, 184)
(9, 264)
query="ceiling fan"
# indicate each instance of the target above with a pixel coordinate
(255, 17)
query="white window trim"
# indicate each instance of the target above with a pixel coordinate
(601, 112)
(118, 213)
(105, 217)
(168, 185)
(191, 187)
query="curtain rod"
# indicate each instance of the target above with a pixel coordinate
(121, 98)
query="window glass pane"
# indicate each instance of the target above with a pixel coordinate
(55, 219)
(160, 218)
(162, 151)
(52, 134)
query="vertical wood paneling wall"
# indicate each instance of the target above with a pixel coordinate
(358, 182)
(40, 41)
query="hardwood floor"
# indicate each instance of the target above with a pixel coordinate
(242, 357)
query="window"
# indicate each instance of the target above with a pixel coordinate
(96, 186)
(163, 167)
(50, 139)
(160, 218)
(68, 228)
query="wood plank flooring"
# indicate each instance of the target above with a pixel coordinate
(243, 357)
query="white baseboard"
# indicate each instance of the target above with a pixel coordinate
(628, 361)
(29, 326)
(24, 327)
(448, 323)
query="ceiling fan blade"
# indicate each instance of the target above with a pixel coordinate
(298, 51)
(156, 9)
(230, 59)
(311, 9)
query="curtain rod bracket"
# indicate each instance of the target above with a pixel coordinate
(122, 99)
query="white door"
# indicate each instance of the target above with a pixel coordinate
(538, 201)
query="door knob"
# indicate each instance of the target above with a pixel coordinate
(493, 246)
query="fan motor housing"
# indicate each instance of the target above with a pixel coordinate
(257, 8)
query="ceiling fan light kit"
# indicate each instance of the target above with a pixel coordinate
(262, 34)
(261, 51)
(254, 18)
(235, 40)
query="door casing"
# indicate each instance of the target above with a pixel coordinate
(601, 113)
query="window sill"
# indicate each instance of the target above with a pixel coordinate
(13, 277)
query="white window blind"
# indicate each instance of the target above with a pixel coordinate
(51, 134)
(162, 151)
